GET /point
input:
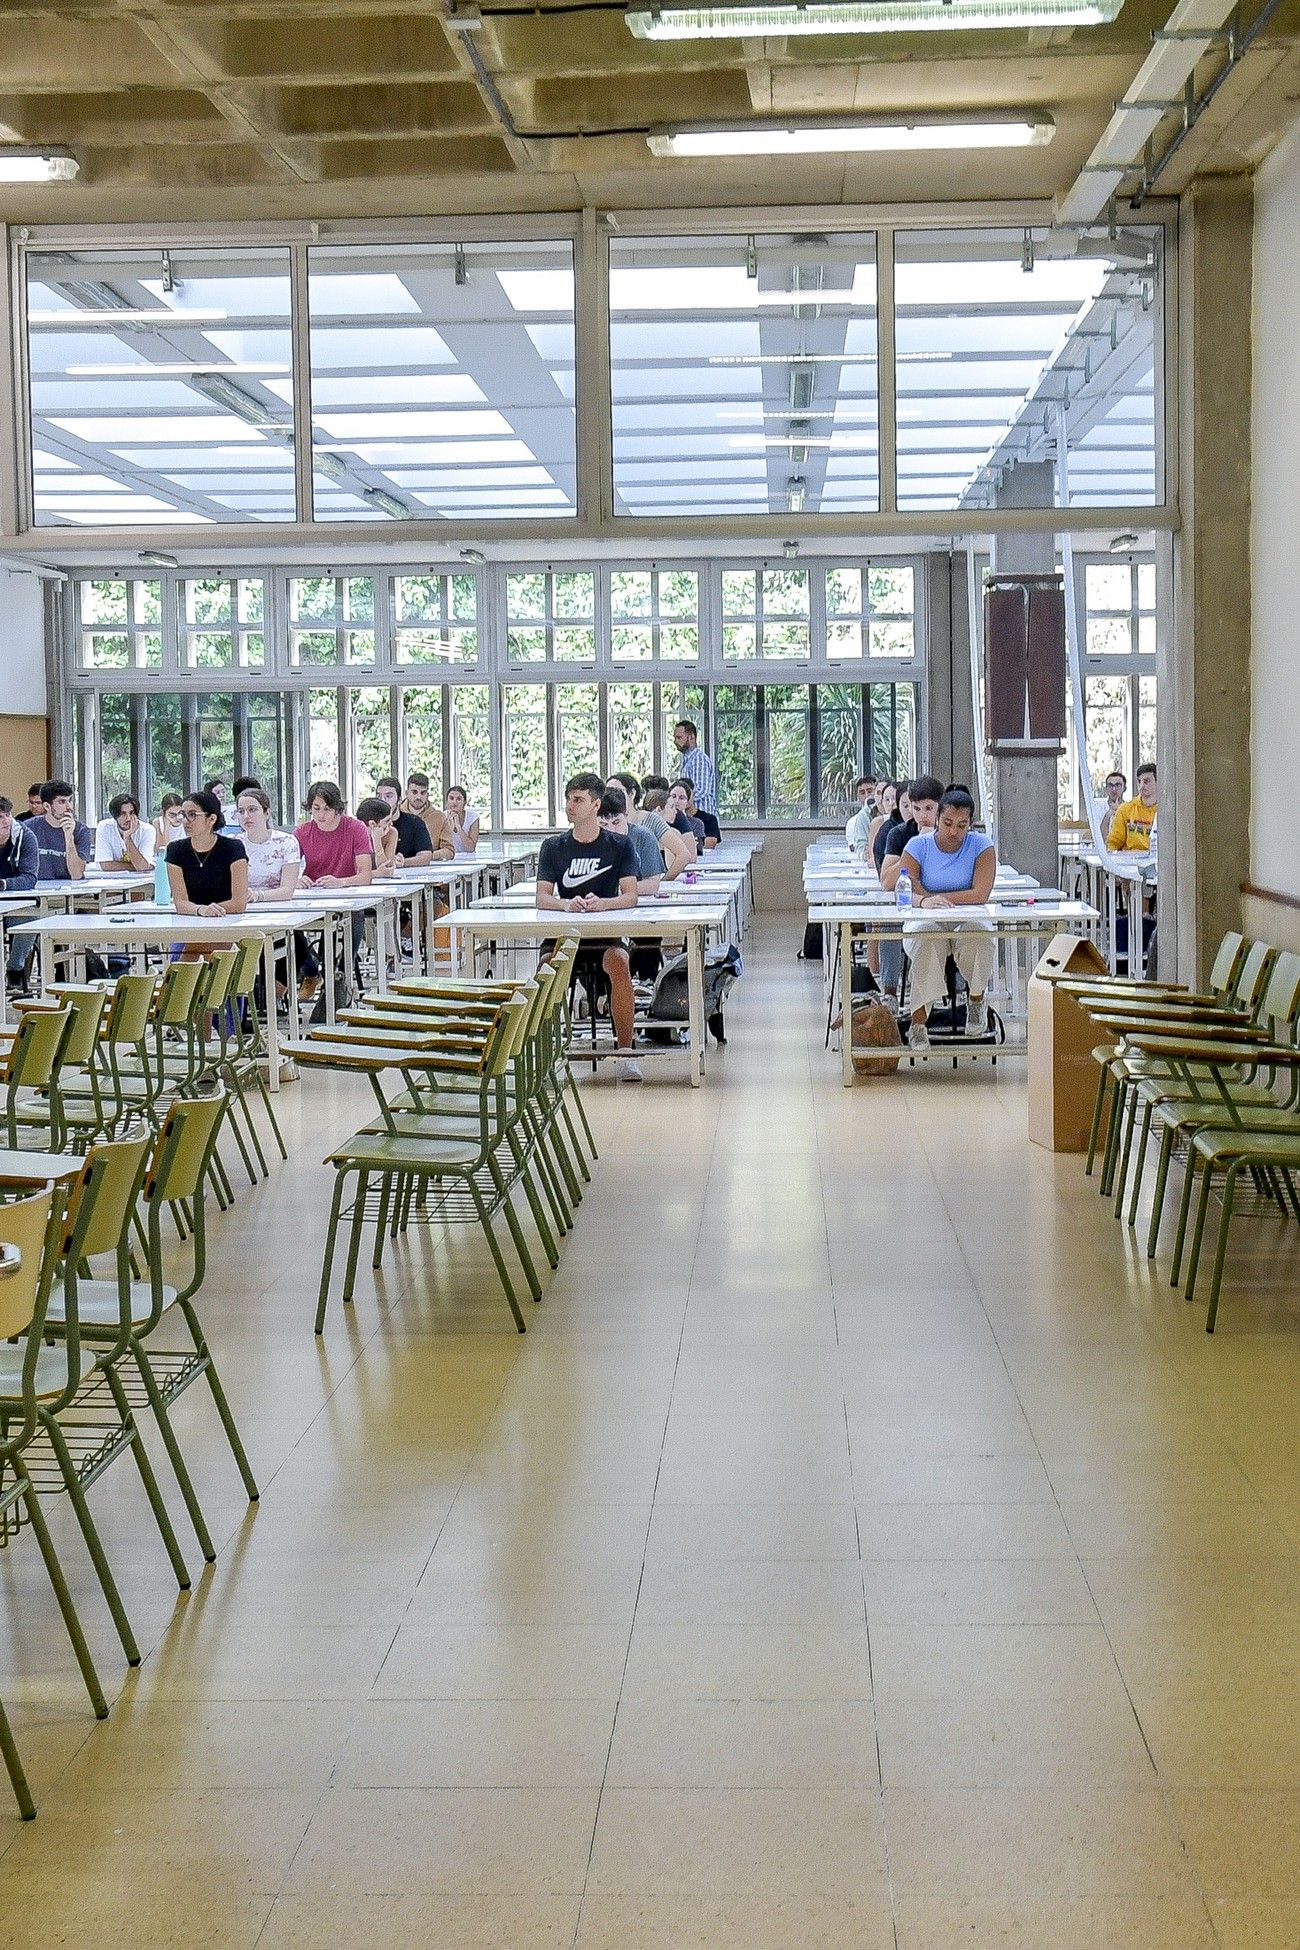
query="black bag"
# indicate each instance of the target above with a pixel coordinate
(670, 1003)
(812, 942)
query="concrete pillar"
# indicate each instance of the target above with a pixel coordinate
(1024, 783)
(949, 743)
(1203, 662)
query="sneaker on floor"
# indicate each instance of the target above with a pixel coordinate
(977, 1017)
(918, 1037)
(629, 1070)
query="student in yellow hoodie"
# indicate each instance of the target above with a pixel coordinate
(1130, 829)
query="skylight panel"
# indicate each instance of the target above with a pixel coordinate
(411, 426)
(542, 290)
(126, 432)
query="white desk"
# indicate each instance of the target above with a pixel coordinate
(506, 922)
(162, 928)
(1012, 921)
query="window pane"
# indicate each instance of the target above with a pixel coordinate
(435, 619)
(655, 614)
(422, 707)
(577, 716)
(736, 730)
(116, 766)
(471, 746)
(119, 624)
(551, 616)
(1146, 721)
(214, 615)
(787, 751)
(765, 615)
(1107, 710)
(990, 335)
(443, 381)
(891, 744)
(1108, 585)
(323, 735)
(631, 728)
(372, 740)
(321, 609)
(165, 748)
(744, 374)
(161, 391)
(527, 780)
(266, 747)
(839, 730)
(214, 712)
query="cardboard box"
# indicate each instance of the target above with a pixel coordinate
(1062, 1074)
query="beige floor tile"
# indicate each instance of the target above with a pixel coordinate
(993, 1662)
(382, 1922)
(963, 1530)
(1176, 1527)
(439, 1661)
(165, 1745)
(1246, 1736)
(296, 1663)
(977, 1843)
(1087, 1923)
(469, 1841)
(1256, 1923)
(241, 1839)
(477, 1743)
(496, 1585)
(775, 1532)
(979, 1477)
(764, 1844)
(973, 1741)
(977, 1591)
(1241, 1843)
(750, 1591)
(748, 1662)
(730, 1743)
(120, 1910)
(703, 1923)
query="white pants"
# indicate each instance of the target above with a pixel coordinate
(928, 945)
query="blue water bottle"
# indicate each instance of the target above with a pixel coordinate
(162, 887)
(903, 890)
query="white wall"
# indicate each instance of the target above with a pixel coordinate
(1275, 521)
(22, 644)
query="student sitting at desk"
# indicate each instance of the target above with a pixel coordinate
(586, 871)
(951, 868)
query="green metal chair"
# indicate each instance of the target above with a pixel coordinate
(85, 1422)
(34, 1374)
(175, 1175)
(29, 1071)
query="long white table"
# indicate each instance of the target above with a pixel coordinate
(507, 922)
(162, 928)
(1012, 921)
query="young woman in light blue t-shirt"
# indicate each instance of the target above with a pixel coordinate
(952, 867)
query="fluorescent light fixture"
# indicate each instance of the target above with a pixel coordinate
(37, 166)
(862, 17)
(824, 137)
(78, 319)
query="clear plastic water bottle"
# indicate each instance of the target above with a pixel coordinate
(162, 887)
(903, 890)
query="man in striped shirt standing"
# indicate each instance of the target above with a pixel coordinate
(698, 768)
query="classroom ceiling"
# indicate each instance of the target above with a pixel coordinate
(373, 107)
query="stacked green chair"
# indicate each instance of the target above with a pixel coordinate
(174, 1175)
(29, 1076)
(242, 1061)
(84, 1419)
(31, 1374)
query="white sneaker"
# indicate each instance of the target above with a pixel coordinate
(977, 1017)
(918, 1037)
(629, 1070)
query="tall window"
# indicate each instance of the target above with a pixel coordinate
(1118, 602)
(161, 387)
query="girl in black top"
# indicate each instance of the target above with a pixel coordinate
(207, 870)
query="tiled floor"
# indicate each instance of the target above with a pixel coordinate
(864, 1548)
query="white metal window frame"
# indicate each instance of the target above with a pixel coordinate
(1129, 669)
(596, 519)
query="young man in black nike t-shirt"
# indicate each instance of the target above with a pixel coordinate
(586, 871)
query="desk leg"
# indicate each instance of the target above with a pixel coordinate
(695, 997)
(331, 967)
(271, 1015)
(47, 963)
(383, 914)
(846, 1004)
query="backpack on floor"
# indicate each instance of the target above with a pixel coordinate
(875, 1036)
(670, 1003)
(812, 942)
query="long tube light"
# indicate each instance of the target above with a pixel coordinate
(803, 138)
(37, 165)
(671, 23)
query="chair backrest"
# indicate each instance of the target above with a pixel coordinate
(1282, 997)
(1255, 971)
(248, 961)
(183, 1147)
(218, 987)
(87, 1006)
(37, 1048)
(1227, 963)
(509, 1025)
(99, 1211)
(176, 992)
(23, 1223)
(130, 1009)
